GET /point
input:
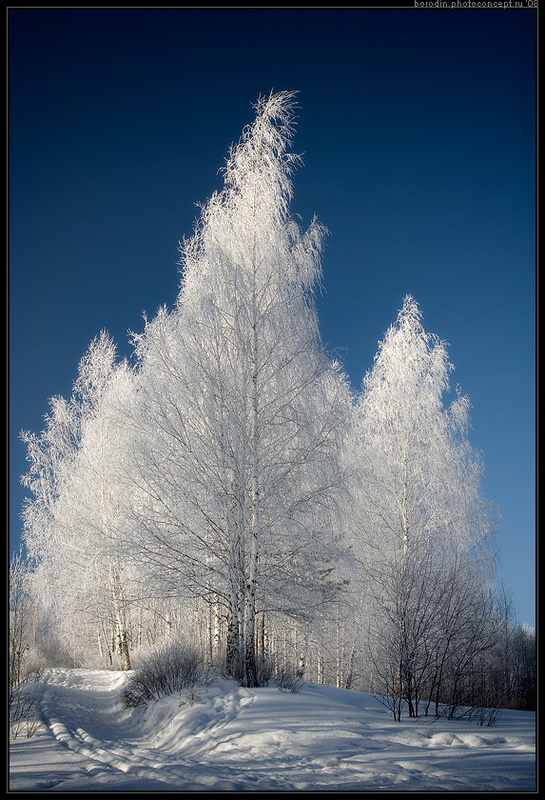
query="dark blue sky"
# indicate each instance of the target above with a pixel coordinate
(418, 134)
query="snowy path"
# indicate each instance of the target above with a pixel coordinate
(237, 739)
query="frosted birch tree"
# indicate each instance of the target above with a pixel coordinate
(241, 412)
(421, 521)
(73, 526)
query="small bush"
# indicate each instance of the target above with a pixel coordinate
(484, 715)
(172, 669)
(266, 669)
(23, 711)
(288, 680)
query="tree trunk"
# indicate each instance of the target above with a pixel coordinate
(350, 675)
(250, 665)
(123, 642)
(233, 656)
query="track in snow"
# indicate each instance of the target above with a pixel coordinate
(82, 709)
(236, 739)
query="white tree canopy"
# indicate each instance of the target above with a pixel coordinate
(417, 463)
(74, 526)
(421, 532)
(244, 411)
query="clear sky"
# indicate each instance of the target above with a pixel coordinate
(417, 129)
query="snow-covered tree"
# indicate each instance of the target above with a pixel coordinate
(73, 527)
(22, 623)
(241, 412)
(419, 468)
(421, 524)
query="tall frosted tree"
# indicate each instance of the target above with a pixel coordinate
(241, 412)
(74, 523)
(422, 525)
(424, 475)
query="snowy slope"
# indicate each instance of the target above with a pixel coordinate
(258, 740)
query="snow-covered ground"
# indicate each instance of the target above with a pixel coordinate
(237, 739)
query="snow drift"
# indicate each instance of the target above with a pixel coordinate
(229, 738)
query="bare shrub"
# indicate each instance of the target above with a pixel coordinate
(288, 679)
(23, 711)
(266, 669)
(170, 670)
